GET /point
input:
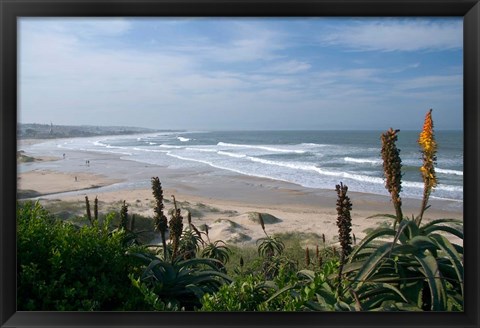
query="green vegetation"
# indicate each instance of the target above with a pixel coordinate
(63, 267)
(103, 262)
(22, 158)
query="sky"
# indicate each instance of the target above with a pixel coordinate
(242, 73)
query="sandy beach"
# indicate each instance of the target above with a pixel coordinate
(46, 182)
(226, 202)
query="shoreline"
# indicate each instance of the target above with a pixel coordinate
(220, 199)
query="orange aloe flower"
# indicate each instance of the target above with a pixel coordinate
(428, 144)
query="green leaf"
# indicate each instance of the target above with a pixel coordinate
(399, 234)
(376, 302)
(382, 289)
(342, 306)
(435, 282)
(403, 249)
(279, 292)
(319, 307)
(412, 229)
(164, 271)
(326, 293)
(458, 248)
(452, 230)
(267, 285)
(376, 216)
(373, 235)
(372, 263)
(196, 290)
(307, 274)
(210, 274)
(452, 255)
(146, 257)
(435, 222)
(423, 243)
(412, 288)
(352, 266)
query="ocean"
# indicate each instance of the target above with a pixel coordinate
(313, 159)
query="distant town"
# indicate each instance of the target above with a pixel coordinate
(52, 131)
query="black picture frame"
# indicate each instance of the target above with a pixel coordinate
(10, 10)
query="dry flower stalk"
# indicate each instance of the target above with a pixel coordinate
(307, 256)
(176, 228)
(392, 169)
(89, 214)
(344, 220)
(160, 220)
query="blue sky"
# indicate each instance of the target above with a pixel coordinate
(242, 73)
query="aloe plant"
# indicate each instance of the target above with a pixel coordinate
(183, 282)
(189, 244)
(270, 246)
(219, 251)
(419, 267)
(418, 261)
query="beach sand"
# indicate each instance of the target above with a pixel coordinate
(45, 182)
(222, 200)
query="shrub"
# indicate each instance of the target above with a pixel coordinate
(288, 291)
(62, 267)
(244, 294)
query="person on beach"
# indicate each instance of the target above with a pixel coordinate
(75, 178)
(63, 155)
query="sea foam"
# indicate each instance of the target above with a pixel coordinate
(268, 148)
(362, 160)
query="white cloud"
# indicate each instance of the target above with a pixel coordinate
(287, 67)
(398, 35)
(431, 82)
(244, 47)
